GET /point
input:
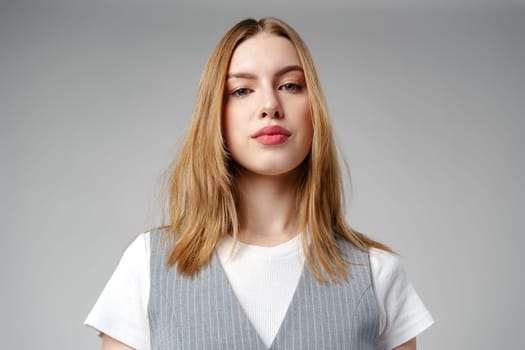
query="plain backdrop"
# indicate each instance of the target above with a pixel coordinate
(427, 101)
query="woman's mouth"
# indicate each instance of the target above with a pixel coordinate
(272, 135)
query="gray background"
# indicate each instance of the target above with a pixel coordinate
(427, 100)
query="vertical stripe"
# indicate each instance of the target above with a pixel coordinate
(216, 297)
(342, 308)
(313, 314)
(300, 313)
(325, 312)
(332, 319)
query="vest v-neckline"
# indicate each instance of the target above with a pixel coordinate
(204, 313)
(237, 304)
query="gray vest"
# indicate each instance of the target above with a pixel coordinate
(203, 312)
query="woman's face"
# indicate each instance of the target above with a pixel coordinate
(267, 122)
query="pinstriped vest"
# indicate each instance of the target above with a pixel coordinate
(203, 312)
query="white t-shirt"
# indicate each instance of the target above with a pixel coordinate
(121, 310)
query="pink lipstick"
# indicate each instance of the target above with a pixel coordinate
(272, 135)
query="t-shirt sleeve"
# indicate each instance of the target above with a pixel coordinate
(121, 309)
(402, 313)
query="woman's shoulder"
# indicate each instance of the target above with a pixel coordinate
(387, 272)
(159, 239)
(142, 242)
(383, 260)
(137, 252)
(143, 238)
(156, 231)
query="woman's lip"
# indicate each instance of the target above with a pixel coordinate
(272, 130)
(274, 139)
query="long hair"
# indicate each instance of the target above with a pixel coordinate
(202, 187)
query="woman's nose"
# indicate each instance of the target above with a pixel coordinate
(271, 106)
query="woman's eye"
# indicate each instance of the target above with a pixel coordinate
(240, 92)
(291, 87)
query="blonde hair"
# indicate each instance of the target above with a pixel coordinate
(202, 189)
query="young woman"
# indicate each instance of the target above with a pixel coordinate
(257, 254)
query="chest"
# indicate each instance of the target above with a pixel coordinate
(203, 312)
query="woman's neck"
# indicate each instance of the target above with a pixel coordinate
(267, 208)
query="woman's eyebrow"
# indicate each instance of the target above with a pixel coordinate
(290, 68)
(251, 76)
(241, 75)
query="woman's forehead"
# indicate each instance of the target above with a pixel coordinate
(263, 52)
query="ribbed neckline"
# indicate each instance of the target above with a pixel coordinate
(279, 251)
